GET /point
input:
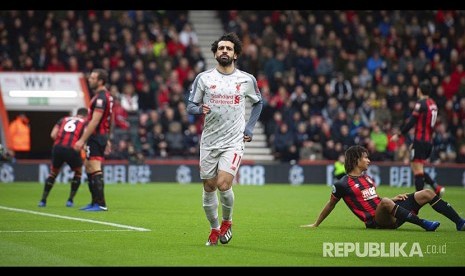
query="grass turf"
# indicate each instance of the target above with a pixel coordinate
(163, 225)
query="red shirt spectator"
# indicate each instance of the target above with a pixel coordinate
(120, 114)
(449, 88)
(456, 75)
(174, 45)
(55, 65)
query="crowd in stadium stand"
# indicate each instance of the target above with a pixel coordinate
(329, 79)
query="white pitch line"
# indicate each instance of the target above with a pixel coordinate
(72, 218)
(62, 231)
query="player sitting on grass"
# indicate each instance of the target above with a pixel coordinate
(358, 191)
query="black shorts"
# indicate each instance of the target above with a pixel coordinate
(96, 147)
(409, 204)
(421, 151)
(61, 155)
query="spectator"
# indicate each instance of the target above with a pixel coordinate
(341, 89)
(5, 154)
(191, 140)
(311, 150)
(175, 139)
(383, 113)
(461, 155)
(187, 36)
(339, 171)
(129, 99)
(367, 113)
(443, 145)
(374, 62)
(20, 133)
(282, 142)
(121, 120)
(393, 148)
(159, 144)
(380, 141)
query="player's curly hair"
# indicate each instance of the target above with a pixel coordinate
(353, 154)
(232, 37)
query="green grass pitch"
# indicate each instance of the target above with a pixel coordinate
(163, 225)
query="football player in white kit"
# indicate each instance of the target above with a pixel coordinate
(220, 95)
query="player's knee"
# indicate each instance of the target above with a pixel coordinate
(224, 186)
(425, 195)
(224, 183)
(386, 203)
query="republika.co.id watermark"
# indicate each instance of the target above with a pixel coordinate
(381, 249)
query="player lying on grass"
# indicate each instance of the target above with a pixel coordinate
(358, 191)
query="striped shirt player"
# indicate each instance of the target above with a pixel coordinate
(220, 95)
(358, 190)
(423, 118)
(97, 137)
(70, 129)
(66, 133)
(359, 194)
(102, 102)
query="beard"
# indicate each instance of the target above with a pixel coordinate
(224, 61)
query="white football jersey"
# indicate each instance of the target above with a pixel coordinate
(226, 95)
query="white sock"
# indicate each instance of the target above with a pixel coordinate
(227, 203)
(210, 206)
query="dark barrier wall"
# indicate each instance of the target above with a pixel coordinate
(249, 174)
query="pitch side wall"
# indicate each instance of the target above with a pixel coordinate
(249, 173)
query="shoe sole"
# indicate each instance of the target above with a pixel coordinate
(96, 209)
(86, 207)
(225, 241)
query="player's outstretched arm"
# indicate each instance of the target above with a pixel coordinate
(324, 213)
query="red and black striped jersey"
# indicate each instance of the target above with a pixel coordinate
(359, 194)
(70, 129)
(426, 113)
(102, 102)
